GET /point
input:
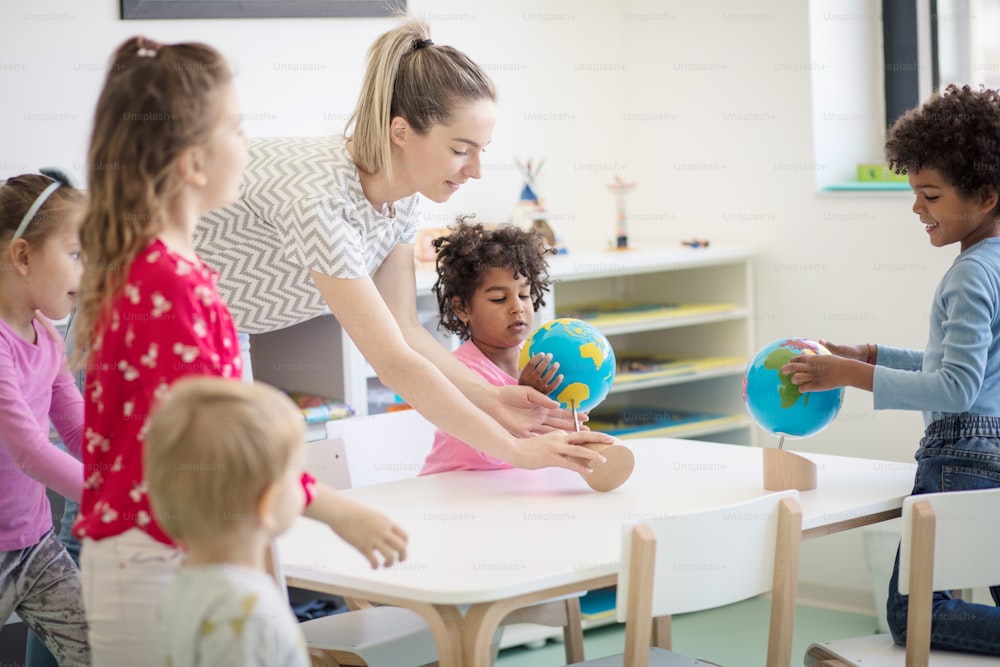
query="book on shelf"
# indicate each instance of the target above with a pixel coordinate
(609, 313)
(655, 422)
(639, 366)
(319, 409)
(598, 604)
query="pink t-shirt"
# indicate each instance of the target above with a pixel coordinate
(450, 453)
(35, 387)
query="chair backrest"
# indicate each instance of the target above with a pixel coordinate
(360, 451)
(965, 542)
(949, 542)
(701, 560)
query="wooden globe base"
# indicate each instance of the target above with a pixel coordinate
(615, 471)
(785, 470)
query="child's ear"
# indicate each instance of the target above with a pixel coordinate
(459, 307)
(265, 508)
(989, 197)
(190, 163)
(399, 130)
(19, 255)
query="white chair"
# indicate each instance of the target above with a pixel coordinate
(949, 542)
(701, 560)
(347, 458)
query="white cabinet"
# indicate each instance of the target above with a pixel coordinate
(694, 305)
(683, 318)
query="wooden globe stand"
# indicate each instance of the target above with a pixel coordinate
(616, 469)
(614, 472)
(785, 470)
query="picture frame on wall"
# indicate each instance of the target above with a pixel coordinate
(258, 9)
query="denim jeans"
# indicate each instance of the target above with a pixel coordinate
(42, 584)
(959, 453)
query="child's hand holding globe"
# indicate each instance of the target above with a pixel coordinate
(586, 364)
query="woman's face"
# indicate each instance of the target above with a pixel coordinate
(438, 162)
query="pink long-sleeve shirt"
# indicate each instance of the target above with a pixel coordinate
(450, 453)
(35, 387)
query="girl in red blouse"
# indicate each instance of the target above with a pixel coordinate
(166, 148)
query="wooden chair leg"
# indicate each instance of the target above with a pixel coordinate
(661, 633)
(573, 631)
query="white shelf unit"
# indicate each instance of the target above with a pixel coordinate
(318, 357)
(708, 319)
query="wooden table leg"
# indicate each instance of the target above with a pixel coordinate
(446, 624)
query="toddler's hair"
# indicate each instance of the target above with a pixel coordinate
(957, 133)
(157, 101)
(410, 76)
(18, 194)
(467, 252)
(212, 447)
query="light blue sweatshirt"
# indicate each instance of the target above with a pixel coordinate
(959, 370)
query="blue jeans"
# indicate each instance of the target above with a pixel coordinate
(959, 453)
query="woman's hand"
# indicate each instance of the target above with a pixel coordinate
(561, 450)
(526, 412)
(540, 373)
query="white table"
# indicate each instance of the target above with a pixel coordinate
(497, 540)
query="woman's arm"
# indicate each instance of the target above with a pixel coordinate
(361, 311)
(522, 410)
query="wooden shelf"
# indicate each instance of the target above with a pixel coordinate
(619, 319)
(675, 370)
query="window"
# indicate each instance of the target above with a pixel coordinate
(856, 95)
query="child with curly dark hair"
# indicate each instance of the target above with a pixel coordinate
(950, 150)
(490, 283)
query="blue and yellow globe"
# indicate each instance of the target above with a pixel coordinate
(775, 403)
(586, 360)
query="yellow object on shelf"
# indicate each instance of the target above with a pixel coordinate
(608, 313)
(877, 172)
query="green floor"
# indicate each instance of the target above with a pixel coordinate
(734, 636)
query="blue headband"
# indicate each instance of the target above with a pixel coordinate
(58, 177)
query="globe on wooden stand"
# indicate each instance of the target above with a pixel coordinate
(778, 407)
(587, 364)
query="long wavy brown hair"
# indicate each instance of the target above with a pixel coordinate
(157, 100)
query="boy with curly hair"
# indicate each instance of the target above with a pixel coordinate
(490, 283)
(950, 150)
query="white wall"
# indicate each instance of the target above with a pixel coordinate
(707, 106)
